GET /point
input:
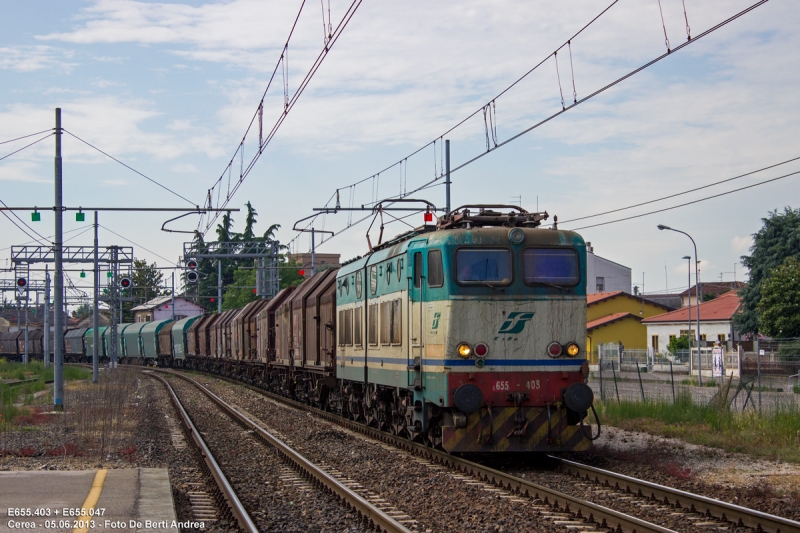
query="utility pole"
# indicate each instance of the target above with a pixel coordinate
(219, 286)
(447, 175)
(173, 296)
(27, 297)
(46, 350)
(95, 311)
(313, 245)
(58, 304)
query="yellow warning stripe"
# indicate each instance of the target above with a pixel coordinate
(91, 500)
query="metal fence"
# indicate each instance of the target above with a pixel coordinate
(734, 378)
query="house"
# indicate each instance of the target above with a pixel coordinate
(708, 291)
(617, 317)
(321, 261)
(161, 309)
(716, 323)
(603, 275)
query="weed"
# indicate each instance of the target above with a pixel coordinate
(796, 388)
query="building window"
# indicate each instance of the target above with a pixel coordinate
(601, 284)
(654, 342)
(721, 338)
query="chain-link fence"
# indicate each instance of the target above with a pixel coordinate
(739, 380)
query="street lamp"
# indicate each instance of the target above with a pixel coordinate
(696, 297)
(689, 301)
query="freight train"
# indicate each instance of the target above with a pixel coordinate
(467, 335)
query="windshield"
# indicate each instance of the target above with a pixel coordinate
(554, 266)
(483, 265)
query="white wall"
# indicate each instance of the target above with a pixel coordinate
(616, 277)
(709, 329)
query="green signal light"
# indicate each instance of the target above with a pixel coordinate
(36, 216)
(83, 274)
(109, 274)
(80, 216)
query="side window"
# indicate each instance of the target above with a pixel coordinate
(358, 339)
(417, 269)
(372, 327)
(373, 279)
(358, 284)
(340, 340)
(397, 322)
(389, 268)
(391, 322)
(400, 269)
(435, 270)
(386, 322)
(348, 327)
(346, 285)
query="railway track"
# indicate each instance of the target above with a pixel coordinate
(700, 512)
(298, 472)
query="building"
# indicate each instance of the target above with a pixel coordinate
(603, 275)
(716, 323)
(617, 317)
(161, 309)
(708, 291)
(321, 261)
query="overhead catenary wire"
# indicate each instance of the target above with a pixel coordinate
(139, 245)
(26, 225)
(90, 145)
(688, 203)
(26, 136)
(680, 193)
(26, 146)
(288, 103)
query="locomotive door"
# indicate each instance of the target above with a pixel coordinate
(416, 306)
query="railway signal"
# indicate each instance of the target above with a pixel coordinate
(125, 283)
(191, 271)
(22, 283)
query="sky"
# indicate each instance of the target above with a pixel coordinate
(169, 89)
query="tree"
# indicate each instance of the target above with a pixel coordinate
(148, 283)
(678, 343)
(290, 273)
(778, 239)
(242, 291)
(779, 306)
(82, 312)
(249, 223)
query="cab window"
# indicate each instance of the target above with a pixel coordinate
(479, 266)
(551, 266)
(435, 271)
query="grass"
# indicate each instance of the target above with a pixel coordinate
(796, 389)
(774, 435)
(24, 393)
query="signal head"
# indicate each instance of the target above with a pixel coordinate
(22, 282)
(191, 264)
(125, 283)
(192, 276)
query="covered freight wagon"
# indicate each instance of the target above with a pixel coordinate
(149, 336)
(75, 349)
(132, 341)
(180, 334)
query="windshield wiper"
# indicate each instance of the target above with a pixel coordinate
(559, 287)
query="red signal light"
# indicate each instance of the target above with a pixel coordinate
(428, 216)
(254, 291)
(301, 272)
(212, 300)
(192, 264)
(22, 282)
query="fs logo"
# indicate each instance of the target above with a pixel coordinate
(436, 317)
(515, 323)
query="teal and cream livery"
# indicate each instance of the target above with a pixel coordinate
(469, 335)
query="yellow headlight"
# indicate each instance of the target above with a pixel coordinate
(464, 350)
(573, 349)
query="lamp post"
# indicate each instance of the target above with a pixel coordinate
(696, 298)
(689, 301)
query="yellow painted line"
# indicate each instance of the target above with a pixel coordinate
(91, 500)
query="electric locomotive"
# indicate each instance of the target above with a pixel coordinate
(469, 335)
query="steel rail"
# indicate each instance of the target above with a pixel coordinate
(742, 516)
(365, 509)
(236, 507)
(584, 510)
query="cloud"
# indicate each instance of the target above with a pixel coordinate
(741, 245)
(184, 168)
(32, 58)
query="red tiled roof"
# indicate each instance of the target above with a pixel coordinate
(608, 319)
(722, 307)
(599, 296)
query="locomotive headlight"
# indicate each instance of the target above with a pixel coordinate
(573, 349)
(464, 350)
